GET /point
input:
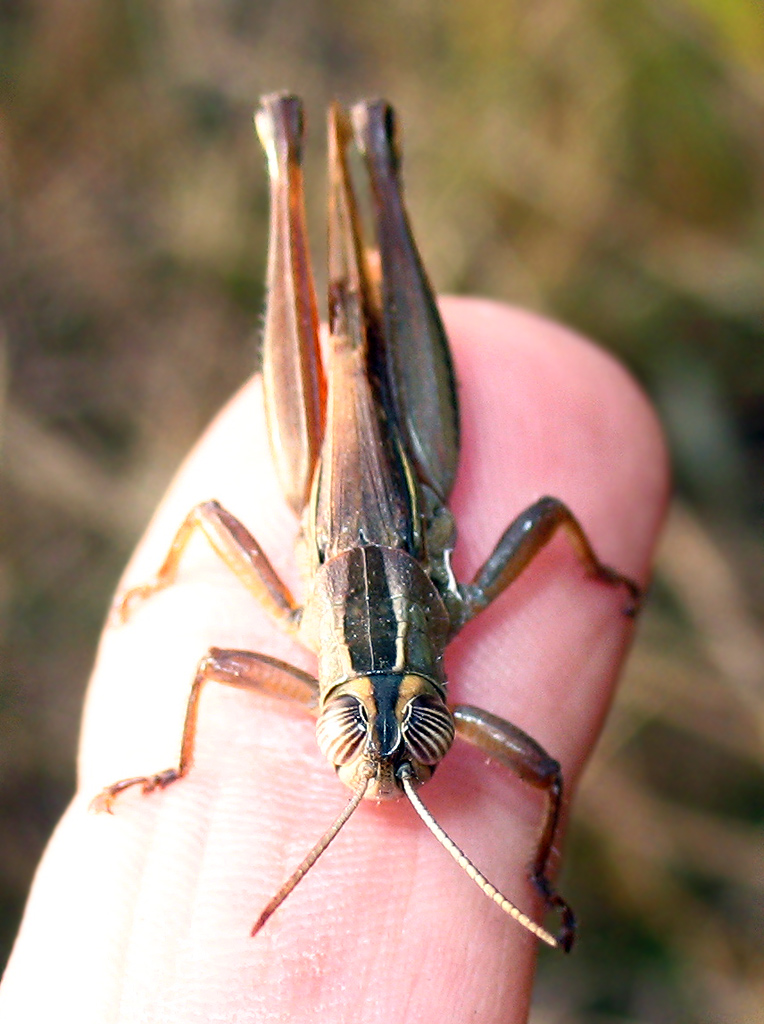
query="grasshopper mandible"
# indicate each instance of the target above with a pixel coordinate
(366, 457)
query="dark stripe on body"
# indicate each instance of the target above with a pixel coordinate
(369, 622)
(371, 630)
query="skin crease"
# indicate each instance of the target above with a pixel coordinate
(145, 915)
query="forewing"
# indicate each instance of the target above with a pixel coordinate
(413, 361)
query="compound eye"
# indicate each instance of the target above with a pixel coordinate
(428, 729)
(341, 729)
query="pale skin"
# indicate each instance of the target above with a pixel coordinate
(145, 915)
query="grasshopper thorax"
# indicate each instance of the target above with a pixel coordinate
(384, 721)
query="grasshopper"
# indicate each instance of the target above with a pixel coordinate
(366, 450)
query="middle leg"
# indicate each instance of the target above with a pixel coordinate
(236, 546)
(522, 541)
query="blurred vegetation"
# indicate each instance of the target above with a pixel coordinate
(599, 160)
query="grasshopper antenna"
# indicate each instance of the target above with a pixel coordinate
(466, 864)
(304, 867)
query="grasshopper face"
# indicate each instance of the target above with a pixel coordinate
(383, 722)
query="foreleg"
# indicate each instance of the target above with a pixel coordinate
(243, 669)
(516, 750)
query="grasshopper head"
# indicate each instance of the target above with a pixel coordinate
(384, 721)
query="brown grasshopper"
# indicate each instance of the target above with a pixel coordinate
(367, 459)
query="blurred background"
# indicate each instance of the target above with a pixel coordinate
(601, 161)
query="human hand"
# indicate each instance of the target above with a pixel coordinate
(145, 915)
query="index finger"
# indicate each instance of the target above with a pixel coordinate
(146, 915)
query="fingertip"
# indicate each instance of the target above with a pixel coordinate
(546, 410)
